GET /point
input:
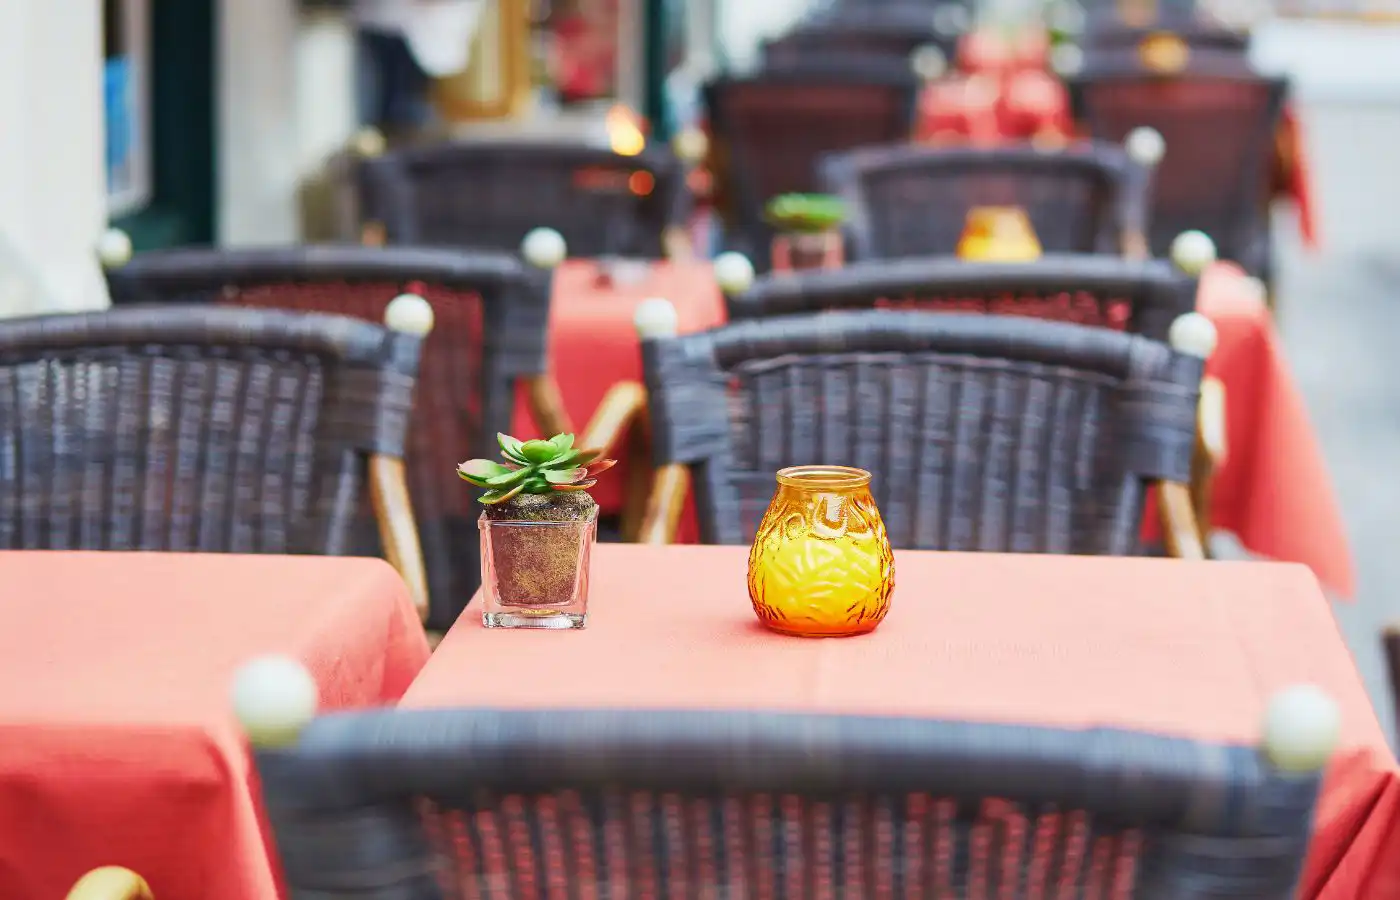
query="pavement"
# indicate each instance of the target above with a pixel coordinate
(1338, 323)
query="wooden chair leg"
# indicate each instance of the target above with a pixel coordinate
(1390, 642)
(547, 406)
(398, 532)
(669, 487)
(1179, 528)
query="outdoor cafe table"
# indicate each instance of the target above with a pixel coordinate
(1188, 649)
(117, 742)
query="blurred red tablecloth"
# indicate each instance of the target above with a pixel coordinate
(117, 744)
(593, 344)
(1274, 490)
(1004, 92)
(1189, 649)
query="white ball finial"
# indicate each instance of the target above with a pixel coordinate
(1194, 335)
(114, 248)
(734, 272)
(1146, 146)
(368, 143)
(656, 318)
(1301, 728)
(1193, 251)
(410, 314)
(274, 698)
(544, 248)
(1066, 60)
(929, 62)
(690, 145)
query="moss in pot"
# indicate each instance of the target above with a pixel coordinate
(538, 526)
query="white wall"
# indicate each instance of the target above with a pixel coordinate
(1346, 88)
(286, 102)
(52, 177)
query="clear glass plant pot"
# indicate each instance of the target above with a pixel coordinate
(535, 574)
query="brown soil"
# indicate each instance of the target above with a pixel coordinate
(537, 566)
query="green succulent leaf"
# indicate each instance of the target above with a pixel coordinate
(511, 448)
(570, 458)
(539, 451)
(508, 478)
(565, 476)
(491, 498)
(562, 442)
(576, 486)
(478, 471)
(536, 485)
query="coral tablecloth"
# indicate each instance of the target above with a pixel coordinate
(1191, 649)
(117, 746)
(1005, 93)
(593, 343)
(1274, 490)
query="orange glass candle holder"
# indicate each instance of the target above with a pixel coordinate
(821, 564)
(998, 234)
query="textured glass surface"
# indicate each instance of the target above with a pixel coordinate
(821, 564)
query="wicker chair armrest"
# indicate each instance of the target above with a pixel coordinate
(669, 486)
(1179, 529)
(111, 883)
(398, 531)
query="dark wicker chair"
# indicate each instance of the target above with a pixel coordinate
(770, 129)
(894, 33)
(197, 429)
(1216, 174)
(487, 195)
(438, 804)
(1209, 49)
(1140, 296)
(996, 433)
(490, 335)
(913, 201)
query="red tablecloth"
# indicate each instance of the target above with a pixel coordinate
(1191, 649)
(1274, 490)
(593, 343)
(1005, 93)
(117, 745)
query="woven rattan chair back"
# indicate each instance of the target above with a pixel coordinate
(449, 804)
(865, 33)
(770, 129)
(1139, 296)
(997, 433)
(487, 195)
(1216, 174)
(195, 429)
(491, 311)
(913, 201)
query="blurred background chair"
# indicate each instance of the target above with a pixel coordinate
(1194, 46)
(770, 129)
(488, 344)
(217, 430)
(1215, 174)
(488, 194)
(892, 32)
(449, 803)
(913, 200)
(996, 433)
(111, 883)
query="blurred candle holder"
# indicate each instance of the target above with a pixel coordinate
(998, 234)
(821, 563)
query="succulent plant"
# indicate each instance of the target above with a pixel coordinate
(534, 467)
(805, 212)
